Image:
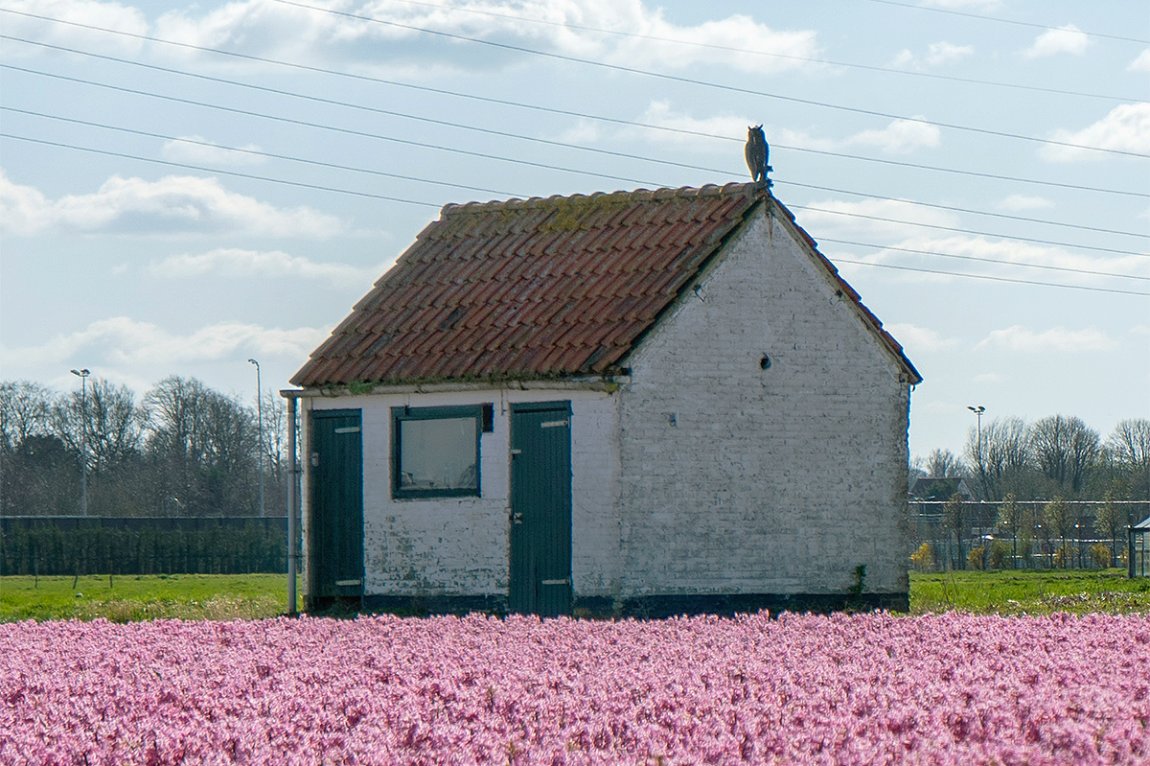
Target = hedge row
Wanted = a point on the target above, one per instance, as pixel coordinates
(163, 548)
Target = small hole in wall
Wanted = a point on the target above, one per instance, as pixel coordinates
(838, 293)
(765, 363)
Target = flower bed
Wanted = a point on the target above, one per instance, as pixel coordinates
(949, 689)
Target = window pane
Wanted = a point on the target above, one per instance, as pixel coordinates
(438, 454)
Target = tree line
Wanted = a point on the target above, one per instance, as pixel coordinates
(1053, 457)
(182, 449)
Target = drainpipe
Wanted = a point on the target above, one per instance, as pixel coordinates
(292, 502)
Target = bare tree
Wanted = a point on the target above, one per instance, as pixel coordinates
(106, 426)
(1129, 447)
(1066, 450)
(206, 445)
(942, 464)
(1110, 524)
(25, 411)
(1005, 454)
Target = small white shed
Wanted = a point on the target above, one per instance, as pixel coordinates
(639, 403)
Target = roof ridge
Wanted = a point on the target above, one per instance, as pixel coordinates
(641, 194)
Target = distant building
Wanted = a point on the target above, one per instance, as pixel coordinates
(936, 489)
(1139, 553)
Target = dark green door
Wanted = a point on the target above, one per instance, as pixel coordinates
(336, 532)
(541, 508)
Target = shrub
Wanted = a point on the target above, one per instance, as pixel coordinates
(974, 558)
(923, 559)
(1000, 551)
(1100, 555)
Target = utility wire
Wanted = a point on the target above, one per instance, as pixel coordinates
(966, 231)
(520, 161)
(935, 253)
(259, 153)
(999, 20)
(968, 275)
(336, 190)
(534, 139)
(580, 115)
(767, 54)
(203, 169)
(443, 183)
(715, 85)
(345, 131)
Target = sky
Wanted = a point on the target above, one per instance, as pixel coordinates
(186, 186)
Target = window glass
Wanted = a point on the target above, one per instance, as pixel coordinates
(436, 451)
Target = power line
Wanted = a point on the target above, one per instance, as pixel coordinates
(716, 85)
(258, 153)
(544, 141)
(768, 54)
(496, 191)
(577, 114)
(990, 278)
(319, 126)
(237, 174)
(967, 231)
(369, 195)
(999, 20)
(1042, 266)
(513, 160)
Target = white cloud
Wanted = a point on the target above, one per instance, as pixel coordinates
(128, 342)
(273, 29)
(1140, 64)
(1126, 127)
(231, 262)
(916, 339)
(870, 218)
(937, 54)
(1021, 339)
(196, 150)
(170, 205)
(105, 15)
(899, 137)
(1021, 202)
(1068, 39)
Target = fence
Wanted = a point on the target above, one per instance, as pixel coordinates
(986, 543)
(71, 545)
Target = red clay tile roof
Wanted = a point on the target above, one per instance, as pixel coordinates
(535, 288)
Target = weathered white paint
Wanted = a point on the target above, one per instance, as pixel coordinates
(460, 546)
(703, 473)
(737, 479)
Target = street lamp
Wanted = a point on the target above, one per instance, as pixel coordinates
(83, 376)
(978, 409)
(260, 411)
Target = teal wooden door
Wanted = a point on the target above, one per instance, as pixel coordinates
(541, 509)
(336, 530)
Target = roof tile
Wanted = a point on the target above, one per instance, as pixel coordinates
(536, 287)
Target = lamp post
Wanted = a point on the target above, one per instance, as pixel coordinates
(83, 374)
(978, 409)
(260, 416)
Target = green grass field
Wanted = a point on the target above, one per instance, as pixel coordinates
(143, 597)
(1029, 592)
(242, 597)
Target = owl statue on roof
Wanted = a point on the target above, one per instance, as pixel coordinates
(758, 154)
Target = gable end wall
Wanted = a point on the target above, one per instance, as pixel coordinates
(736, 479)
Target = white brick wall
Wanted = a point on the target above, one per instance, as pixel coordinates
(739, 479)
(459, 546)
(734, 479)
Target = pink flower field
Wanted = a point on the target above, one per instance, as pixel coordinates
(873, 689)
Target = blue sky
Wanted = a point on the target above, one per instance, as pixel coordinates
(185, 186)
